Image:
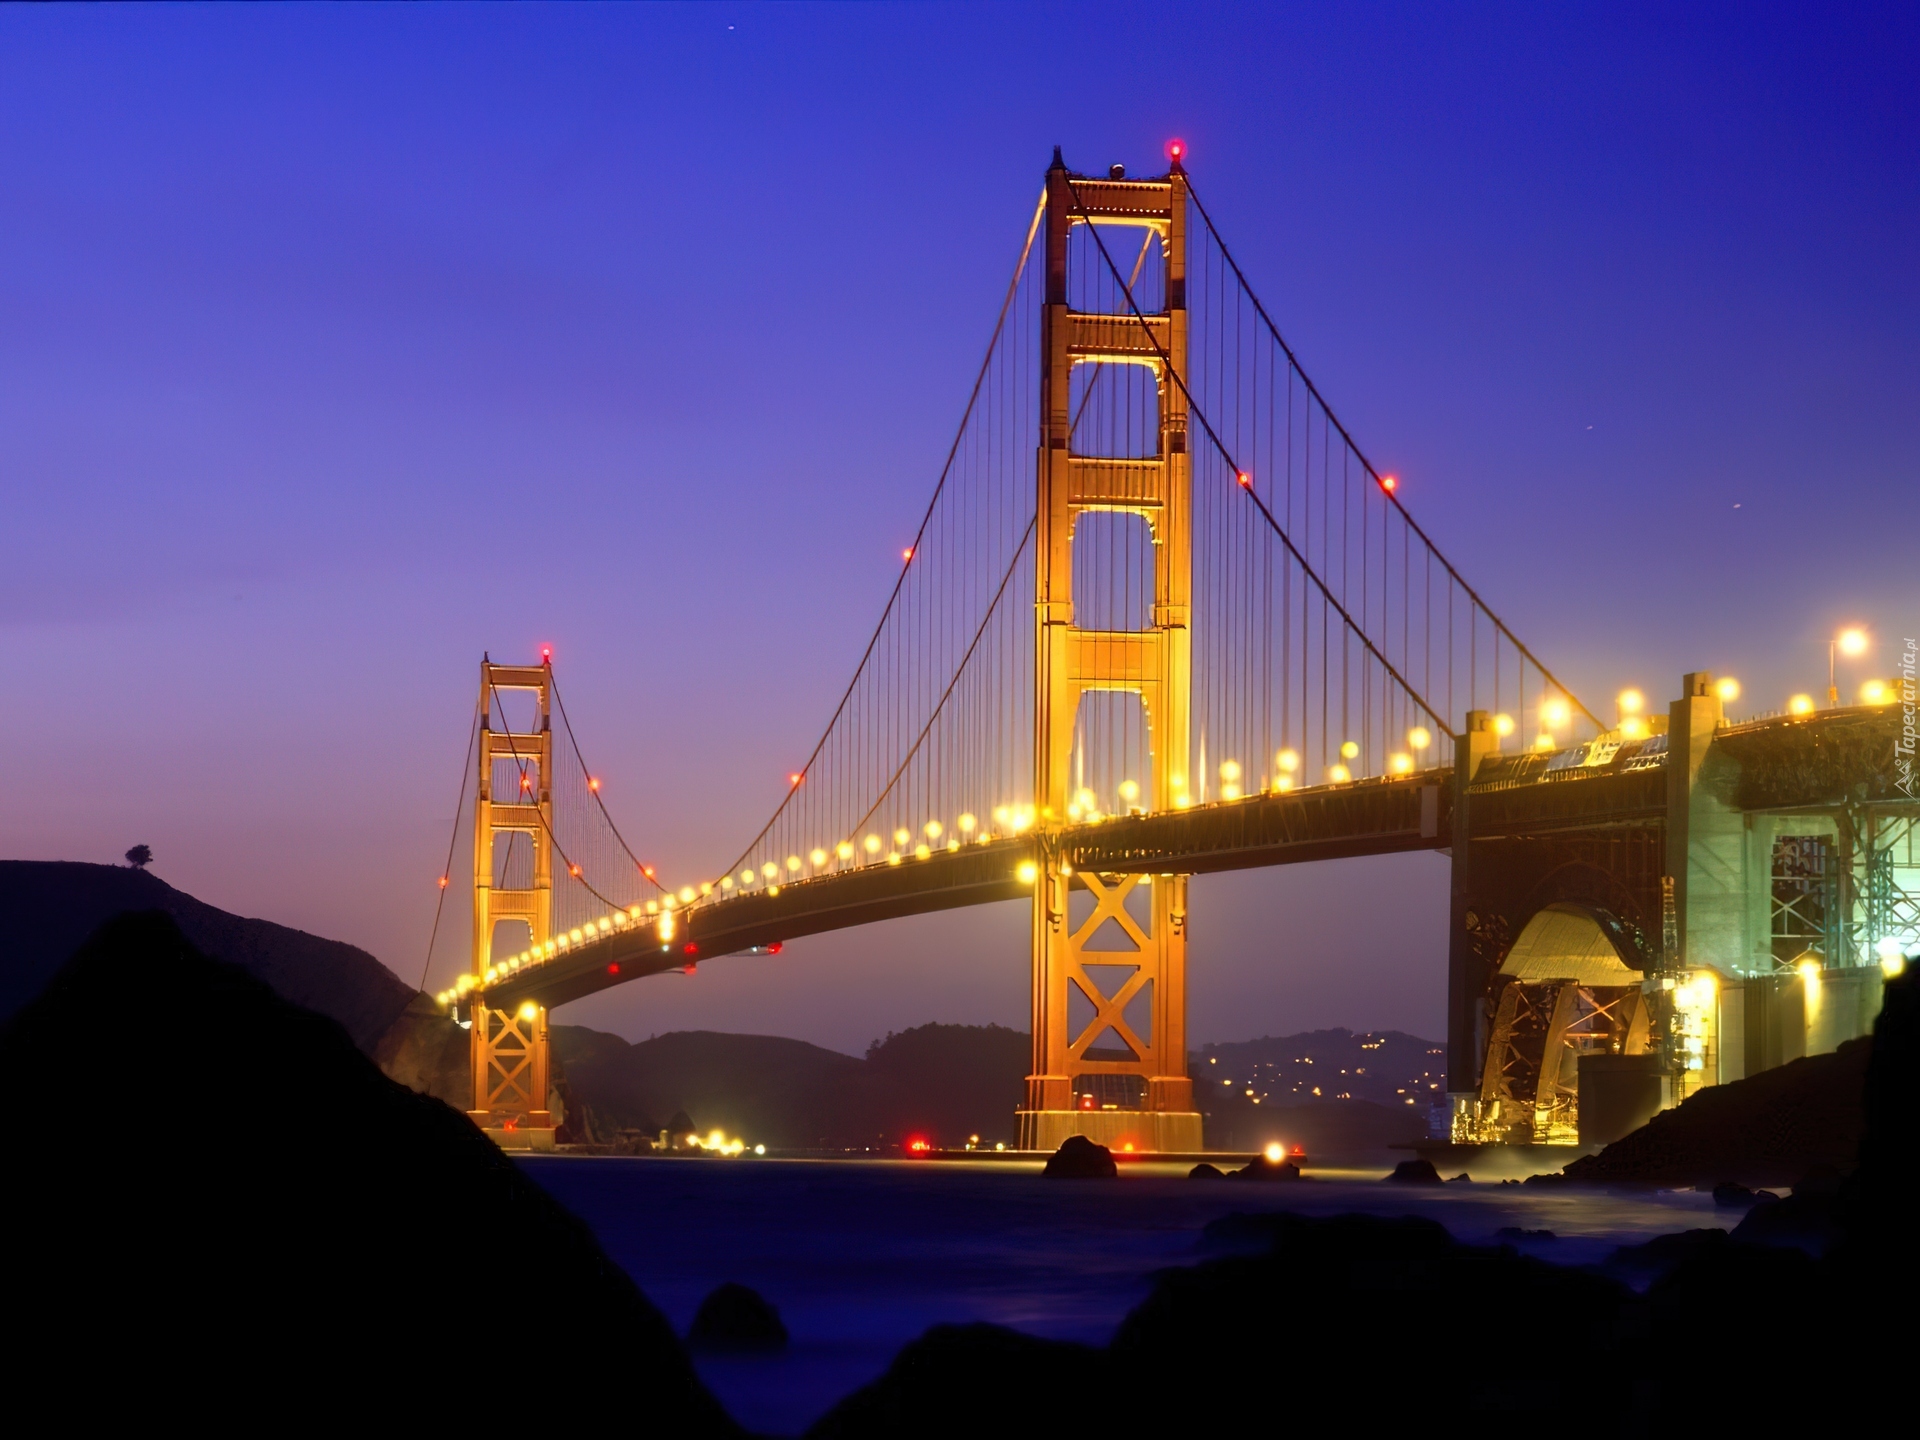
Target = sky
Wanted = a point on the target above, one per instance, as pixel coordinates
(341, 344)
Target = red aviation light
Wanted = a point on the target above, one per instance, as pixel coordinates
(1389, 484)
(776, 947)
(919, 1145)
(1176, 150)
(689, 949)
(614, 969)
(1246, 480)
(546, 654)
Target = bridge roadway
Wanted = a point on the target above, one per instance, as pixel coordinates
(1607, 788)
(1369, 817)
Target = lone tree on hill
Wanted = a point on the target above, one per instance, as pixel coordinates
(140, 856)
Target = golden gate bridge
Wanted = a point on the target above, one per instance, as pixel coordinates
(1162, 617)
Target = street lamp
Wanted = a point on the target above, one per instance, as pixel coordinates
(1851, 642)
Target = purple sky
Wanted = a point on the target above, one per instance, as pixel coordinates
(338, 345)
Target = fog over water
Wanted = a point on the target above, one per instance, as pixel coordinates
(861, 1257)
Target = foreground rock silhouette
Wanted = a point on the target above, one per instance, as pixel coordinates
(288, 1234)
(1078, 1158)
(734, 1318)
(1270, 1341)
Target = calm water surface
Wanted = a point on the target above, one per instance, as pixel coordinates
(861, 1256)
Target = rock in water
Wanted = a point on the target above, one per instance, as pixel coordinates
(1204, 1171)
(1261, 1168)
(1415, 1172)
(735, 1318)
(233, 1178)
(1080, 1159)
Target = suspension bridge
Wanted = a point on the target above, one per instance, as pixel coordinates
(1162, 617)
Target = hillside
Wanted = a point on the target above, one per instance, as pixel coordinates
(309, 1235)
(53, 906)
(942, 1081)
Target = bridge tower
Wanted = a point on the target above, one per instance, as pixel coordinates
(1119, 1083)
(510, 1047)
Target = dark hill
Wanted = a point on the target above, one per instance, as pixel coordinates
(52, 906)
(1768, 1129)
(306, 1238)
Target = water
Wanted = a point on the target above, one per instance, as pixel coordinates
(862, 1256)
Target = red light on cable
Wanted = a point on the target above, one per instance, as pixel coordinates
(573, 870)
(647, 870)
(795, 778)
(1246, 480)
(443, 882)
(593, 784)
(907, 554)
(1389, 484)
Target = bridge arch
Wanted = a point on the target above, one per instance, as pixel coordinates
(1570, 940)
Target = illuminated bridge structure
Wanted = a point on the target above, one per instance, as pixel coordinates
(1163, 618)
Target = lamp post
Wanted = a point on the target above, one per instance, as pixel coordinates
(1849, 642)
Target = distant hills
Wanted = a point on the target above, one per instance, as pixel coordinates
(943, 1082)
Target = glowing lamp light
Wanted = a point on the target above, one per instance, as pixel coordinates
(907, 554)
(546, 654)
(966, 822)
(1246, 480)
(769, 869)
(529, 1010)
(872, 844)
(1275, 1152)
(1543, 741)
(1727, 688)
(1800, 705)
(1176, 150)
(816, 858)
(1349, 749)
(443, 882)
(1503, 725)
(795, 778)
(1287, 761)
(1339, 774)
(1419, 737)
(1389, 484)
(1283, 784)
(1851, 642)
(1555, 713)
(1633, 727)
(1028, 872)
(844, 850)
(1631, 702)
(593, 783)
(902, 836)
(793, 864)
(746, 877)
(893, 857)
(934, 829)
(686, 894)
(1400, 764)
(1808, 969)
(1875, 692)
(1129, 791)
(921, 852)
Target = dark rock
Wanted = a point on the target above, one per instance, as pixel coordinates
(1730, 1194)
(943, 1386)
(1415, 1172)
(1261, 1168)
(309, 1214)
(1553, 1177)
(1808, 1222)
(1080, 1159)
(1661, 1254)
(1463, 1178)
(735, 1318)
(1204, 1171)
(1514, 1232)
(1764, 1130)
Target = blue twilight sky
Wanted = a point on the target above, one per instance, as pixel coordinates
(338, 344)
